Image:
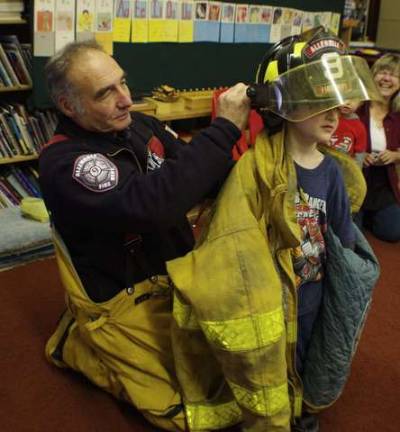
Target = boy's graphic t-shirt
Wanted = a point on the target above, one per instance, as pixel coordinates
(350, 136)
(321, 200)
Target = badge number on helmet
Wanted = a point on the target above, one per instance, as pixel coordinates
(95, 172)
(332, 77)
(333, 65)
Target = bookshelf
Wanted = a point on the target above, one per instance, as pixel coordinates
(16, 159)
(20, 130)
(15, 88)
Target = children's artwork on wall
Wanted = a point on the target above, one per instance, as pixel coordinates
(104, 24)
(64, 23)
(85, 20)
(242, 28)
(185, 24)
(207, 21)
(140, 23)
(122, 21)
(43, 18)
(227, 30)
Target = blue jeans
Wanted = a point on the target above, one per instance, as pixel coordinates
(384, 224)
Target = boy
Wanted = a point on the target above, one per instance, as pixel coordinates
(258, 286)
(350, 136)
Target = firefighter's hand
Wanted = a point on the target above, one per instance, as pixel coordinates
(234, 105)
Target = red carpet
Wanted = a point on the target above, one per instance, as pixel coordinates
(37, 397)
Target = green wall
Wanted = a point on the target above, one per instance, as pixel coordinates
(187, 65)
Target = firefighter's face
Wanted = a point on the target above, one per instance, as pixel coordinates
(102, 98)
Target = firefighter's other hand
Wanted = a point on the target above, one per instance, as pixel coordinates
(234, 105)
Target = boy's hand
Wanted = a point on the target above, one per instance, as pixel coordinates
(234, 105)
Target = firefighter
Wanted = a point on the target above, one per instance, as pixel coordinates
(118, 186)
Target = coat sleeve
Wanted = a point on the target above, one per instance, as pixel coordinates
(140, 202)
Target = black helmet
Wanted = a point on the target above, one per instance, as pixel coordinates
(294, 51)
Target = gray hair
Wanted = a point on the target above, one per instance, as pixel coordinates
(58, 66)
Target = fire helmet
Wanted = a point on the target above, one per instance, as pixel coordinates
(307, 74)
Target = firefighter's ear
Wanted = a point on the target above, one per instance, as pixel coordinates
(65, 106)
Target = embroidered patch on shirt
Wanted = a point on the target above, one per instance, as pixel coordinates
(95, 172)
(156, 154)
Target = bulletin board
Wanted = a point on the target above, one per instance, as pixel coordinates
(195, 65)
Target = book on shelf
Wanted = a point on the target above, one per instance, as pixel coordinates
(11, 179)
(5, 124)
(23, 133)
(17, 183)
(14, 192)
(8, 196)
(17, 63)
(8, 68)
(16, 133)
(22, 127)
(27, 55)
(11, 10)
(5, 149)
(5, 78)
(12, 6)
(25, 182)
(17, 53)
(6, 17)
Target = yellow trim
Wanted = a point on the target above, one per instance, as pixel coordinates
(267, 401)
(206, 417)
(298, 47)
(291, 331)
(183, 314)
(272, 71)
(298, 405)
(255, 331)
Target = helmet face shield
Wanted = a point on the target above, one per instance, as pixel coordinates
(319, 86)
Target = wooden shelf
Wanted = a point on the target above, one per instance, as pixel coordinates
(13, 21)
(13, 89)
(16, 159)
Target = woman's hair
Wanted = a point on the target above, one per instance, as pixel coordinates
(390, 62)
(58, 66)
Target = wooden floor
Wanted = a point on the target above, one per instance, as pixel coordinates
(37, 397)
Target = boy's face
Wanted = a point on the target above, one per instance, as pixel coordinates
(349, 107)
(317, 129)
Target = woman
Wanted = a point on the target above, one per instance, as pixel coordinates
(381, 209)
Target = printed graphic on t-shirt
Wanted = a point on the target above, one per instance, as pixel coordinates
(309, 256)
(342, 143)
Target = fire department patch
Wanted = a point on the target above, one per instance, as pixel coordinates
(95, 172)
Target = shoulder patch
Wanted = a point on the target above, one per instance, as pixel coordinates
(95, 172)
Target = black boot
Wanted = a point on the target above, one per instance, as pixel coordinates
(306, 423)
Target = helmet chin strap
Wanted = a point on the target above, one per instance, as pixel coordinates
(258, 95)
